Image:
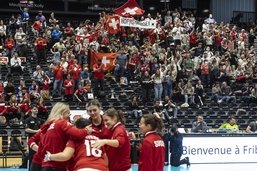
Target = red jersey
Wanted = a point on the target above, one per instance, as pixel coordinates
(13, 108)
(37, 26)
(40, 43)
(87, 157)
(98, 74)
(55, 139)
(122, 152)
(9, 43)
(58, 73)
(68, 31)
(68, 87)
(101, 130)
(79, 91)
(152, 153)
(46, 84)
(75, 71)
(3, 109)
(35, 139)
(25, 107)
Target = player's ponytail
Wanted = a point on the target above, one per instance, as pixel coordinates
(114, 113)
(155, 122)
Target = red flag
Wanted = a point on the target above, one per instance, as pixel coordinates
(130, 8)
(92, 37)
(112, 24)
(108, 60)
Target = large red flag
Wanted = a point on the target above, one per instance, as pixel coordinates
(92, 37)
(112, 24)
(108, 60)
(130, 8)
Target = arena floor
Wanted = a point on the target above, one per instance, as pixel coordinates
(194, 167)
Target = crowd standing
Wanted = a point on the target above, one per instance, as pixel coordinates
(178, 61)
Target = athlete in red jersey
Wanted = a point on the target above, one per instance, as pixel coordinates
(86, 157)
(152, 152)
(33, 144)
(57, 135)
(98, 125)
(118, 146)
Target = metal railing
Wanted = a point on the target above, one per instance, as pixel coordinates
(243, 17)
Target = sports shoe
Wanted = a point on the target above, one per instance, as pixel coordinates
(187, 161)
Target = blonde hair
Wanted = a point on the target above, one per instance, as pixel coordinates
(57, 111)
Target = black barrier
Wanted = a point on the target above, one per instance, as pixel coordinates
(135, 145)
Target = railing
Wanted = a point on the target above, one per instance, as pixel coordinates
(243, 17)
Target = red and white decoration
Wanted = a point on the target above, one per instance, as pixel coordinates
(129, 9)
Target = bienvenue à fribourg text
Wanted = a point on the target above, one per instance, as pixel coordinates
(245, 149)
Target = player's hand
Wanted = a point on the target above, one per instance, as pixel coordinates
(47, 156)
(98, 144)
(132, 135)
(89, 129)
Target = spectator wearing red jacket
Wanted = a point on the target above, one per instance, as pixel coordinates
(118, 147)
(68, 84)
(25, 108)
(152, 152)
(69, 30)
(75, 71)
(10, 46)
(40, 46)
(58, 79)
(98, 70)
(13, 108)
(42, 110)
(3, 108)
(37, 27)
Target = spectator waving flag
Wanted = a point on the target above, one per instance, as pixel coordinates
(112, 24)
(108, 60)
(129, 9)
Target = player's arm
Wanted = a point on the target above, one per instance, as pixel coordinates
(100, 143)
(106, 160)
(65, 155)
(34, 140)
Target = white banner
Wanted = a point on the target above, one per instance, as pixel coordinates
(220, 149)
(131, 22)
(82, 113)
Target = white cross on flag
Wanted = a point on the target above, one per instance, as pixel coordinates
(112, 24)
(129, 9)
(108, 60)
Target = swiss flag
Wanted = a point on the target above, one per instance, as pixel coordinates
(112, 24)
(108, 60)
(130, 8)
(90, 37)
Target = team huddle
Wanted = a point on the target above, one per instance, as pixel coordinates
(100, 143)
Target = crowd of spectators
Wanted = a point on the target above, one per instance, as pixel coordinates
(180, 60)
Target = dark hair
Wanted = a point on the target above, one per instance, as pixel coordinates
(94, 102)
(231, 117)
(155, 122)
(115, 113)
(81, 123)
(34, 105)
(174, 129)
